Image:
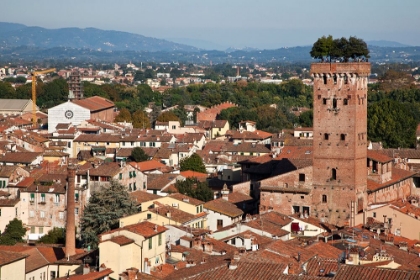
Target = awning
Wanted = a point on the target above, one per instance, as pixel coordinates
(295, 227)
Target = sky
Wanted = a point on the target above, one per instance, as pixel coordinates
(263, 24)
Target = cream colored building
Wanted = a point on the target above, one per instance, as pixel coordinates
(167, 215)
(12, 265)
(140, 246)
(400, 217)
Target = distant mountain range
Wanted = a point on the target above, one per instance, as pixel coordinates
(21, 43)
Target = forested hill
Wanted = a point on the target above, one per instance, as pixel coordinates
(22, 44)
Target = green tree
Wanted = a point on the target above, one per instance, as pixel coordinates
(194, 163)
(123, 115)
(55, 236)
(168, 116)
(195, 189)
(322, 48)
(104, 209)
(138, 155)
(140, 119)
(13, 233)
(391, 123)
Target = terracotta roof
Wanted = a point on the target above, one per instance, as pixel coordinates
(246, 147)
(211, 113)
(148, 165)
(103, 137)
(401, 153)
(9, 202)
(95, 103)
(160, 181)
(378, 156)
(187, 199)
(357, 272)
(142, 196)
(145, 229)
(224, 207)
(109, 169)
(7, 170)
(238, 197)
(397, 176)
(121, 240)
(193, 174)
(20, 157)
(173, 213)
(7, 257)
(95, 275)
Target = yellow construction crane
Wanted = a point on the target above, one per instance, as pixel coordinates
(34, 75)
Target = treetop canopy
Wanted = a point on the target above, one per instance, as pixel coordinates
(342, 49)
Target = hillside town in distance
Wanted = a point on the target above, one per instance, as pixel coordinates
(206, 198)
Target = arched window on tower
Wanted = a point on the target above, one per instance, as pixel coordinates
(324, 198)
(325, 79)
(333, 174)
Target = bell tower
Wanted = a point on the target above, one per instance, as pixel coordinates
(340, 140)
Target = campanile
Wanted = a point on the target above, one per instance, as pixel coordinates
(340, 139)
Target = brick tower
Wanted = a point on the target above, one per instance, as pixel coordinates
(339, 141)
(75, 85)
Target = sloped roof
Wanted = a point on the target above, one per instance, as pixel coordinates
(95, 103)
(14, 104)
(397, 176)
(224, 207)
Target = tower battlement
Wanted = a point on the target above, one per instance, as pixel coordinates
(360, 68)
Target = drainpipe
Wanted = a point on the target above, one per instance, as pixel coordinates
(141, 254)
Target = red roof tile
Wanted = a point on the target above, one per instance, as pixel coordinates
(95, 103)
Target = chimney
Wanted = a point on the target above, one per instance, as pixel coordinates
(86, 269)
(70, 223)
(225, 192)
(132, 272)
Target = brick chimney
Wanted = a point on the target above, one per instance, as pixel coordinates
(132, 273)
(70, 223)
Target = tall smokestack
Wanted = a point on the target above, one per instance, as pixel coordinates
(70, 223)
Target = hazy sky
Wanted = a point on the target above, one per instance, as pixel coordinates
(265, 24)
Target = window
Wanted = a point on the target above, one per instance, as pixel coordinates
(144, 185)
(134, 186)
(0, 212)
(32, 229)
(334, 103)
(201, 208)
(32, 197)
(57, 198)
(129, 187)
(52, 274)
(42, 214)
(123, 143)
(325, 79)
(342, 137)
(374, 214)
(31, 214)
(41, 230)
(301, 177)
(149, 216)
(154, 191)
(345, 101)
(61, 215)
(296, 209)
(76, 211)
(120, 176)
(42, 197)
(150, 243)
(326, 136)
(198, 209)
(173, 127)
(76, 197)
(219, 224)
(134, 174)
(324, 101)
(333, 174)
(160, 239)
(324, 198)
